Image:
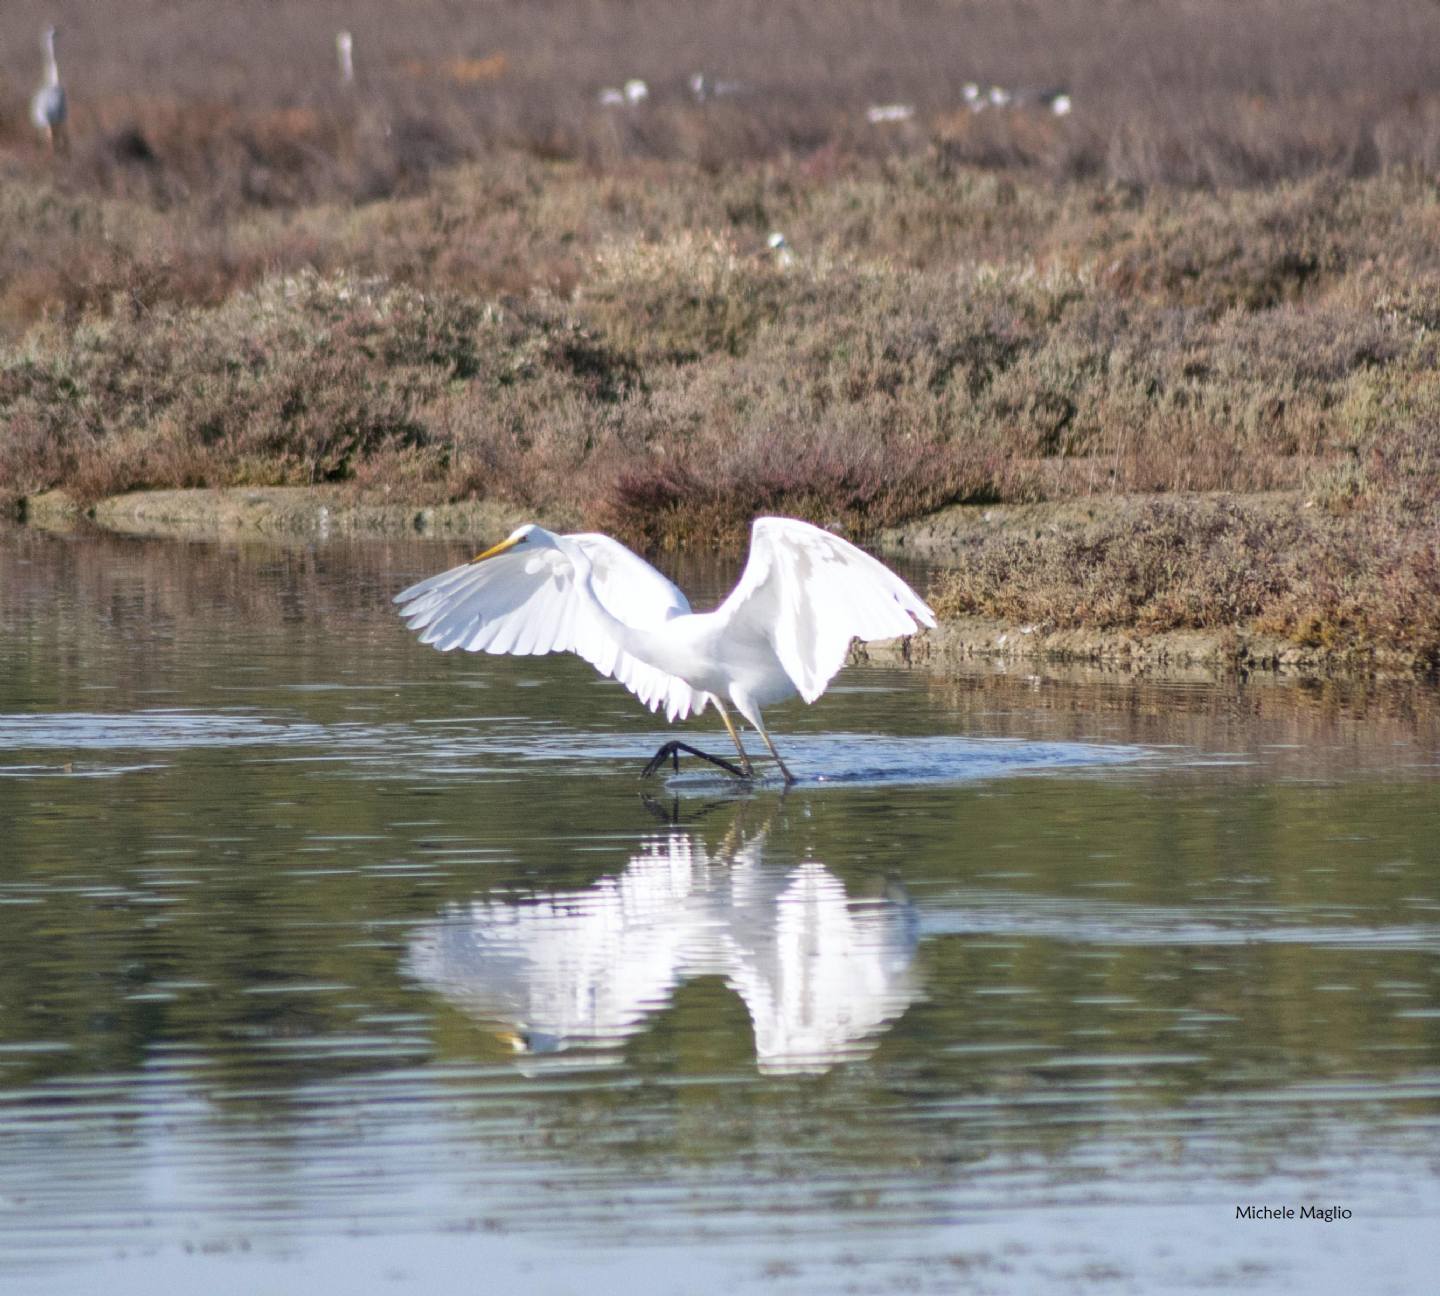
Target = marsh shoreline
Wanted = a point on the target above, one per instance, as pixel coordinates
(942, 538)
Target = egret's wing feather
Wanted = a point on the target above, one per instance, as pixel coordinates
(812, 593)
(630, 587)
(484, 606)
(636, 593)
(530, 602)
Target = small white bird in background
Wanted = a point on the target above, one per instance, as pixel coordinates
(974, 96)
(784, 630)
(345, 54)
(877, 114)
(701, 88)
(779, 247)
(48, 109)
(1000, 97)
(633, 93)
(1057, 102)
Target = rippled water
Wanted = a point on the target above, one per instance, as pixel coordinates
(331, 963)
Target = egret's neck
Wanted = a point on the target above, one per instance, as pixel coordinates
(52, 67)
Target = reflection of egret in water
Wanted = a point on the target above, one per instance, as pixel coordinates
(821, 975)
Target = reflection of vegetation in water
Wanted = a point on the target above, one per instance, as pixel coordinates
(248, 908)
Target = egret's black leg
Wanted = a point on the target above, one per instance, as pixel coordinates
(671, 752)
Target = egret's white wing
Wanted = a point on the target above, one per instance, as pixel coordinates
(630, 587)
(530, 601)
(811, 593)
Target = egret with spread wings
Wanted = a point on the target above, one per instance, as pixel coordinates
(785, 629)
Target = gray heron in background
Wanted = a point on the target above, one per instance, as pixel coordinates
(48, 109)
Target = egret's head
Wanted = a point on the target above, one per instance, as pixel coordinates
(528, 536)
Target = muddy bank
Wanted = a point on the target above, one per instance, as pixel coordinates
(1126, 564)
(321, 510)
(282, 511)
(949, 531)
(944, 537)
(964, 640)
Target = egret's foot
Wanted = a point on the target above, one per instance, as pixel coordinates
(775, 756)
(784, 769)
(671, 752)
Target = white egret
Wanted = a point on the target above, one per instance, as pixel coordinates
(48, 109)
(785, 628)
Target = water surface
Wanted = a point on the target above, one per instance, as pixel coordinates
(329, 962)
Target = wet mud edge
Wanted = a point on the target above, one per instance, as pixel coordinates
(969, 639)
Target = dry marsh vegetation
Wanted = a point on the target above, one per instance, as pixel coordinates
(1358, 585)
(460, 277)
(239, 104)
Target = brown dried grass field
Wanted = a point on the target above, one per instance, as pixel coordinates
(462, 277)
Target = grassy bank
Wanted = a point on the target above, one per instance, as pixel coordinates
(1308, 580)
(460, 279)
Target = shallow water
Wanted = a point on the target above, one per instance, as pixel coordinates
(328, 962)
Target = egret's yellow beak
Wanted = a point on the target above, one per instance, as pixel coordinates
(497, 549)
